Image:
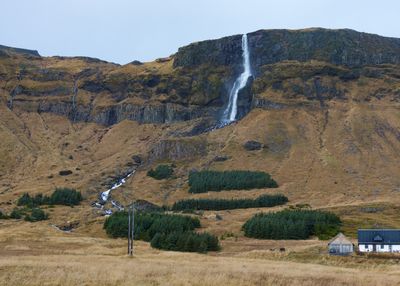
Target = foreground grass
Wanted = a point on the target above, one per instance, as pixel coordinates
(177, 269)
(37, 254)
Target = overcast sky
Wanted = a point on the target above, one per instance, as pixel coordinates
(124, 30)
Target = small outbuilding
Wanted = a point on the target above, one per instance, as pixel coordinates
(340, 245)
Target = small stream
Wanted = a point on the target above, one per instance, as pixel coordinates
(105, 196)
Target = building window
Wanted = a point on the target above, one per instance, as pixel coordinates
(382, 246)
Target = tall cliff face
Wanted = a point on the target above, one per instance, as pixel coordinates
(338, 47)
(291, 68)
(304, 67)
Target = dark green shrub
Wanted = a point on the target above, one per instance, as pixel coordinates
(3, 216)
(16, 213)
(292, 224)
(222, 204)
(65, 196)
(215, 181)
(161, 172)
(36, 215)
(27, 200)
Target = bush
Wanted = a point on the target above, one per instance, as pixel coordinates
(36, 215)
(3, 216)
(16, 213)
(65, 196)
(292, 224)
(222, 204)
(215, 181)
(161, 172)
(164, 231)
(27, 200)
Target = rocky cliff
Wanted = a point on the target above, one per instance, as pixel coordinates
(339, 47)
(292, 68)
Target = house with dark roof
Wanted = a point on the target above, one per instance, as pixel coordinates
(379, 240)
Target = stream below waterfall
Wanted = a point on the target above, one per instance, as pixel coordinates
(105, 196)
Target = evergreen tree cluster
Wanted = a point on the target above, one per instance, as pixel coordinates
(164, 231)
(161, 172)
(215, 181)
(61, 196)
(292, 224)
(188, 241)
(36, 215)
(223, 204)
(65, 196)
(29, 214)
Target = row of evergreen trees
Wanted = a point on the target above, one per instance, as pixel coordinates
(61, 196)
(224, 204)
(292, 224)
(215, 181)
(164, 231)
(186, 241)
(32, 215)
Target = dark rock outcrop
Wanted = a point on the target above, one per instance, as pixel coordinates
(220, 158)
(65, 172)
(143, 206)
(253, 145)
(178, 149)
(137, 159)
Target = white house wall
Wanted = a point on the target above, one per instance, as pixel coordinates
(386, 248)
(395, 248)
(365, 248)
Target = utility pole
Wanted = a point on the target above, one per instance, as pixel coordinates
(129, 231)
(131, 228)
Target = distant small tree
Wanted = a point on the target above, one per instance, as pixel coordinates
(16, 214)
(36, 215)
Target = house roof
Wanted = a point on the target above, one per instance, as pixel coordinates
(340, 239)
(380, 236)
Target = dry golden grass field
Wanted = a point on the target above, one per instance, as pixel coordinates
(38, 254)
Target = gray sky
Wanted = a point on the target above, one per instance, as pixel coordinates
(122, 30)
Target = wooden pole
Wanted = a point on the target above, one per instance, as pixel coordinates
(133, 228)
(129, 231)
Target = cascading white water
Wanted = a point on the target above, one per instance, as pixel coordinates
(231, 110)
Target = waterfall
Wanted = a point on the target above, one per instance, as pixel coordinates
(230, 112)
